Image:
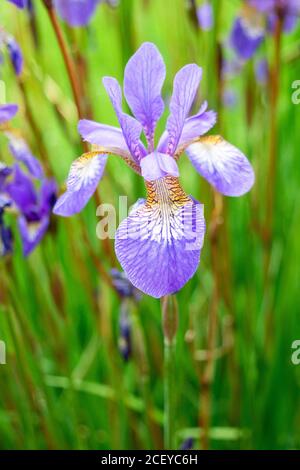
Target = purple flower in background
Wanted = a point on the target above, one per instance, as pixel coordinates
(76, 12)
(19, 3)
(125, 342)
(159, 244)
(245, 38)
(205, 16)
(287, 10)
(7, 112)
(262, 71)
(14, 51)
(15, 54)
(6, 240)
(124, 286)
(34, 205)
(22, 153)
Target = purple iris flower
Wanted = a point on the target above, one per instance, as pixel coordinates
(15, 54)
(34, 206)
(245, 37)
(262, 71)
(205, 16)
(123, 286)
(287, 10)
(7, 112)
(22, 153)
(159, 244)
(6, 240)
(78, 12)
(13, 49)
(19, 3)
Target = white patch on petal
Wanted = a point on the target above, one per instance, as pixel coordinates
(223, 165)
(83, 172)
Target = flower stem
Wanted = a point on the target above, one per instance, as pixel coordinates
(271, 176)
(70, 66)
(170, 323)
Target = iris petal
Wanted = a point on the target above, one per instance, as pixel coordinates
(131, 127)
(157, 165)
(144, 76)
(76, 12)
(84, 176)
(32, 233)
(222, 165)
(186, 83)
(159, 244)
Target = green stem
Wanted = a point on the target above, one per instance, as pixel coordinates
(170, 324)
(169, 353)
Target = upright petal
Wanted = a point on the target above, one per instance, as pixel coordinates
(83, 179)
(7, 112)
(76, 12)
(131, 128)
(194, 126)
(224, 166)
(159, 244)
(22, 191)
(144, 76)
(186, 83)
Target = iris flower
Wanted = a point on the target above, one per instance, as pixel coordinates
(29, 192)
(78, 12)
(256, 19)
(159, 244)
(9, 43)
(7, 112)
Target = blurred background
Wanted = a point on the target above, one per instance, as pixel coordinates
(83, 349)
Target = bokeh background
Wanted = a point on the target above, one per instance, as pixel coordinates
(67, 382)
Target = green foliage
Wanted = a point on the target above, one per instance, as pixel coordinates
(65, 385)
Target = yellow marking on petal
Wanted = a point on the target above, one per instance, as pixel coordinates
(207, 139)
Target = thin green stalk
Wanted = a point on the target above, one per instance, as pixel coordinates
(170, 323)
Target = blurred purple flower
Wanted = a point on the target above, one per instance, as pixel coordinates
(6, 240)
(188, 444)
(287, 10)
(14, 51)
(125, 343)
(78, 12)
(229, 98)
(262, 71)
(124, 286)
(21, 152)
(159, 244)
(15, 54)
(19, 3)
(245, 39)
(7, 112)
(34, 206)
(205, 16)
